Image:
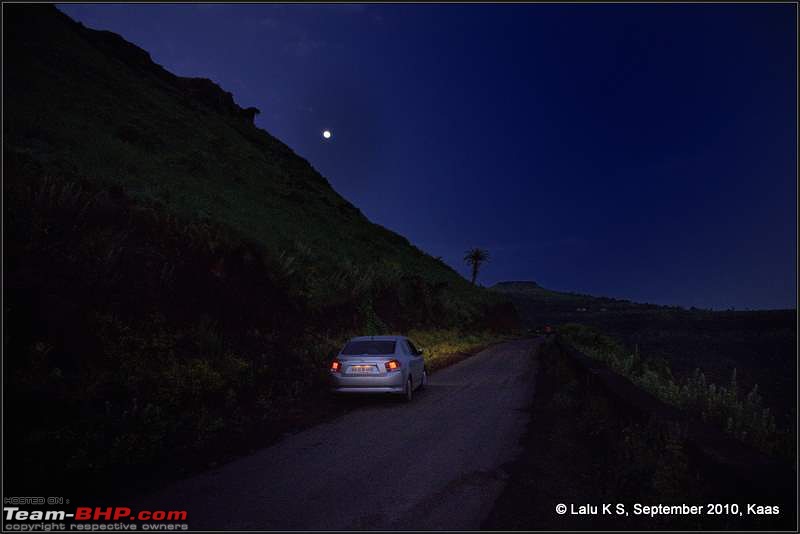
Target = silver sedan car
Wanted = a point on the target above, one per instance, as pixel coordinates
(379, 364)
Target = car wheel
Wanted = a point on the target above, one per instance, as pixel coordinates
(409, 396)
(424, 379)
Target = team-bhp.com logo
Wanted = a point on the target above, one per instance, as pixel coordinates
(85, 513)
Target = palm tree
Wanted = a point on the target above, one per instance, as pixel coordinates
(475, 258)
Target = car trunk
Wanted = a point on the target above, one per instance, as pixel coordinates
(364, 364)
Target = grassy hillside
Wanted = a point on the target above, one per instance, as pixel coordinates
(88, 105)
(175, 278)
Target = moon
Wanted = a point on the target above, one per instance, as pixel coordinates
(326, 134)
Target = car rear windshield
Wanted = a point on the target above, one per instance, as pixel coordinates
(369, 347)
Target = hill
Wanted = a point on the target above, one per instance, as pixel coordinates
(537, 304)
(533, 290)
(176, 279)
(88, 105)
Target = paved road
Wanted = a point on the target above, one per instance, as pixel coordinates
(433, 464)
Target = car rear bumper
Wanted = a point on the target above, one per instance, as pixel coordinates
(388, 383)
(363, 390)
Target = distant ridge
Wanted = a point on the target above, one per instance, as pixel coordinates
(516, 285)
(529, 291)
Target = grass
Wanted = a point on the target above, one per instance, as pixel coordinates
(725, 406)
(443, 347)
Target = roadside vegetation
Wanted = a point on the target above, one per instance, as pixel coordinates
(446, 346)
(581, 447)
(725, 406)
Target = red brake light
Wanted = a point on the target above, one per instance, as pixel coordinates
(392, 365)
(336, 366)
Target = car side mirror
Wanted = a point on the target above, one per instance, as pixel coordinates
(420, 352)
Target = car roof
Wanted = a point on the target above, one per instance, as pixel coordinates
(378, 338)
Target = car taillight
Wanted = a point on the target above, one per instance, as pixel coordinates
(392, 365)
(336, 366)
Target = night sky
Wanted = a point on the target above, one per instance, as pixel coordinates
(645, 152)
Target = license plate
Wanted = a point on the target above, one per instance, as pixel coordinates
(363, 369)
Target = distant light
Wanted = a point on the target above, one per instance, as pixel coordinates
(326, 134)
